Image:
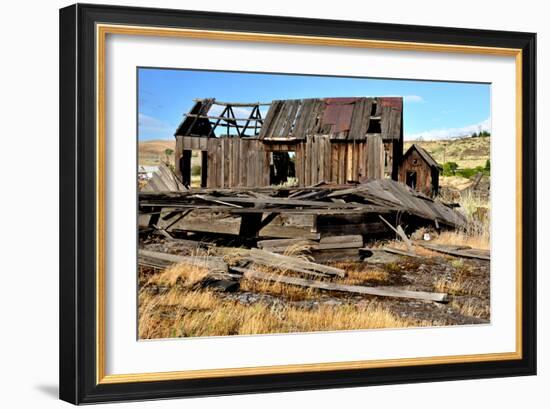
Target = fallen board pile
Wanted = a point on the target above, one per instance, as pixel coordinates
(312, 213)
(163, 180)
(332, 248)
(227, 278)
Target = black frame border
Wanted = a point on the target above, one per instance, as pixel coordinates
(78, 197)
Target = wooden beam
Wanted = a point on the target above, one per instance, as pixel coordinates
(293, 263)
(400, 232)
(456, 253)
(400, 252)
(324, 285)
(213, 264)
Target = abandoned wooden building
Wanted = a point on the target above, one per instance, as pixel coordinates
(336, 140)
(420, 171)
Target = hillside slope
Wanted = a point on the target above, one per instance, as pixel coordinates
(152, 153)
(466, 152)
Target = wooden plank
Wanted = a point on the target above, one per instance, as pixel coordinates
(327, 161)
(222, 162)
(291, 116)
(211, 263)
(286, 202)
(365, 123)
(400, 252)
(268, 121)
(399, 231)
(283, 243)
(335, 255)
(349, 162)
(242, 162)
(282, 116)
(325, 285)
(281, 261)
(341, 163)
(211, 175)
(307, 160)
(316, 156)
(312, 126)
(328, 243)
(402, 234)
(321, 159)
(333, 162)
(456, 253)
(301, 120)
(356, 119)
(340, 239)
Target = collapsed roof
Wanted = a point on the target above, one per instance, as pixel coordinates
(341, 118)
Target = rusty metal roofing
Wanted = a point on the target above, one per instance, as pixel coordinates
(341, 118)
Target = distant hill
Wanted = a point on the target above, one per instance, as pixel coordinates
(466, 152)
(152, 153)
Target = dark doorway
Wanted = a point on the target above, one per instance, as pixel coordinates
(411, 179)
(193, 166)
(282, 167)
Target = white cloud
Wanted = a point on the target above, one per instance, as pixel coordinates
(413, 98)
(409, 98)
(448, 133)
(151, 124)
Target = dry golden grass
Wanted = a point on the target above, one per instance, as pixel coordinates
(467, 152)
(471, 310)
(356, 274)
(461, 284)
(184, 312)
(181, 313)
(154, 152)
(477, 233)
(454, 182)
(459, 238)
(183, 274)
(277, 289)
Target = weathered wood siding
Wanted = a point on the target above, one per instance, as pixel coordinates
(415, 163)
(241, 162)
(318, 159)
(230, 162)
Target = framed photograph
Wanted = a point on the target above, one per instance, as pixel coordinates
(256, 203)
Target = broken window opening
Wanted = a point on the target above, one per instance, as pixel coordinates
(374, 126)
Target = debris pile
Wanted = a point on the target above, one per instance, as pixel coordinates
(257, 227)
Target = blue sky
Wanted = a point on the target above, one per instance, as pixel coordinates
(432, 110)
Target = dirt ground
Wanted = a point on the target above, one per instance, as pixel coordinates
(466, 281)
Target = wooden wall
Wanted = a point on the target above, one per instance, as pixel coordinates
(231, 162)
(318, 159)
(415, 163)
(241, 162)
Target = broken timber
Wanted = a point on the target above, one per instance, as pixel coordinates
(292, 263)
(323, 285)
(400, 232)
(163, 260)
(400, 252)
(326, 243)
(456, 253)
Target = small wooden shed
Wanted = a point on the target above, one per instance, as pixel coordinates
(420, 171)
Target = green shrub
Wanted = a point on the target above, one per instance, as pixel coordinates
(195, 170)
(449, 168)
